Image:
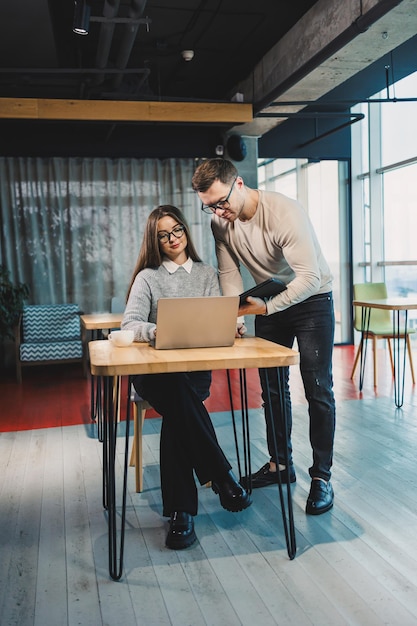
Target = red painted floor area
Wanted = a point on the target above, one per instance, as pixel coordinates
(53, 396)
(48, 396)
(60, 396)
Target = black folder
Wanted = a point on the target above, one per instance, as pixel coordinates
(267, 289)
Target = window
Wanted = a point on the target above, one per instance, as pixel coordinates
(384, 168)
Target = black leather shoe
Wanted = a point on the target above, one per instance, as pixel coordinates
(263, 477)
(320, 498)
(233, 497)
(181, 531)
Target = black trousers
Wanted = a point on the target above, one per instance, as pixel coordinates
(312, 323)
(188, 440)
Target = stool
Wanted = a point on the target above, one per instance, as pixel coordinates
(140, 407)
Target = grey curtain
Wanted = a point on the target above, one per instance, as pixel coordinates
(71, 228)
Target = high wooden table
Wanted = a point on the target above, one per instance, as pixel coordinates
(108, 361)
(397, 306)
(95, 323)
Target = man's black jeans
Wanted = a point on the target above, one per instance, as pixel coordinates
(312, 323)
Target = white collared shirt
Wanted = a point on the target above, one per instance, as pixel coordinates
(172, 267)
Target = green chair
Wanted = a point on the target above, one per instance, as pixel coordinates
(380, 326)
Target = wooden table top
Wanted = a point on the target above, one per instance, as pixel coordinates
(140, 358)
(101, 321)
(393, 304)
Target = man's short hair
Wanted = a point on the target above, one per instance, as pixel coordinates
(213, 169)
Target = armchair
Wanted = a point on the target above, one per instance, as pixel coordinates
(48, 333)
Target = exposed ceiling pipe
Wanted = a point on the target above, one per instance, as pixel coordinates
(136, 10)
(110, 9)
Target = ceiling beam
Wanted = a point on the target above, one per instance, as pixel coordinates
(331, 43)
(127, 111)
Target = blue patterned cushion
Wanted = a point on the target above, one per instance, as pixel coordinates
(51, 322)
(56, 351)
(51, 332)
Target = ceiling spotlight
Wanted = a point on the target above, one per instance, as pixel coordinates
(81, 22)
(187, 55)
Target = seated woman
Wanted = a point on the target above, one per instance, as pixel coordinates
(168, 266)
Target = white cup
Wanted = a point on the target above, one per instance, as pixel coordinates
(122, 338)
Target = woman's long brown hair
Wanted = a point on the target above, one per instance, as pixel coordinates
(150, 253)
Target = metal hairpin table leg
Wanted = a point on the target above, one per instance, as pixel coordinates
(110, 426)
(399, 356)
(245, 425)
(96, 396)
(97, 404)
(93, 383)
(288, 524)
(366, 316)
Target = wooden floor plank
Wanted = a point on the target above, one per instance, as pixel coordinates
(11, 481)
(116, 602)
(51, 584)
(83, 605)
(26, 493)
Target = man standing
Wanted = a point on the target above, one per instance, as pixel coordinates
(272, 236)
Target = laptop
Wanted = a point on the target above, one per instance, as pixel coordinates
(199, 322)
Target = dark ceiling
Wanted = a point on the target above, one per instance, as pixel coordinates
(268, 48)
(133, 49)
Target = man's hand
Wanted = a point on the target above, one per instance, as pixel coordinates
(252, 306)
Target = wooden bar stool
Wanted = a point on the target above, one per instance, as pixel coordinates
(140, 407)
